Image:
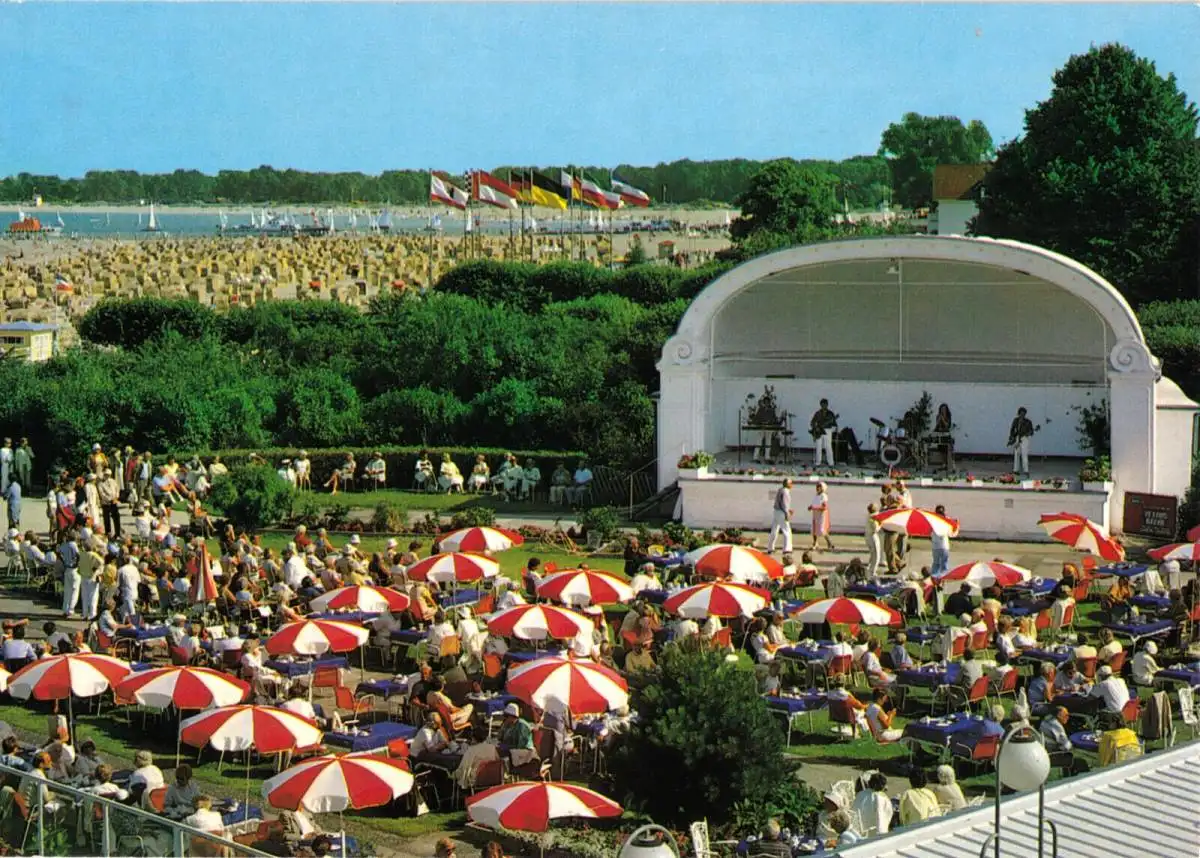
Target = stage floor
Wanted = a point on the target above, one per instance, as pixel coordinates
(1040, 467)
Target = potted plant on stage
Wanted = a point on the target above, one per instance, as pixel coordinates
(1096, 474)
(695, 465)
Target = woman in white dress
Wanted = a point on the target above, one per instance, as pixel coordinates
(820, 517)
(480, 474)
(450, 478)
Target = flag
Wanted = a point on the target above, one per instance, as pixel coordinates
(631, 195)
(492, 190)
(523, 185)
(590, 193)
(547, 192)
(62, 285)
(442, 191)
(571, 182)
(612, 200)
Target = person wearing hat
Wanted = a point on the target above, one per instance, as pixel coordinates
(516, 736)
(831, 803)
(1111, 689)
(97, 461)
(375, 473)
(287, 473)
(1144, 665)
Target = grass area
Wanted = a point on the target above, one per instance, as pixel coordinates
(437, 502)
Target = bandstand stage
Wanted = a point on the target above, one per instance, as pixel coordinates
(985, 326)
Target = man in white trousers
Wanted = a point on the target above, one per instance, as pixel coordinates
(1019, 436)
(91, 567)
(68, 553)
(821, 428)
(781, 519)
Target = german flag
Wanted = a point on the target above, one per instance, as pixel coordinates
(544, 191)
(520, 182)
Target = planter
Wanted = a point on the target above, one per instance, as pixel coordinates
(870, 481)
(1027, 484)
(926, 481)
(1105, 486)
(693, 473)
(975, 483)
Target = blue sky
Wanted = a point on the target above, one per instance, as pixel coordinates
(374, 86)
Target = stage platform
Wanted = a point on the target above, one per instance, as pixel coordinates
(982, 494)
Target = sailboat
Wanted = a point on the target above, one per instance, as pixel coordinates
(384, 223)
(151, 223)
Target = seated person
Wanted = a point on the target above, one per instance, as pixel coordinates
(450, 478)
(772, 844)
(299, 704)
(440, 630)
(960, 602)
(877, 677)
(375, 472)
(204, 817)
(839, 824)
(531, 478)
(1144, 665)
(516, 736)
(1025, 636)
(645, 579)
(1117, 600)
(35, 783)
(1109, 647)
(560, 481)
(87, 762)
(949, 793)
(104, 787)
(481, 474)
(639, 660)
(145, 772)
(431, 739)
(762, 649)
(1069, 680)
(872, 807)
(342, 474)
(972, 670)
(1040, 691)
(1151, 583)
(1063, 602)
(460, 716)
(62, 755)
(917, 803)
(1058, 743)
(1004, 642)
(181, 796)
(1003, 668)
(1111, 689)
(879, 717)
(901, 659)
(772, 682)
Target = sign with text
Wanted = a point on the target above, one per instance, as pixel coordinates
(1151, 515)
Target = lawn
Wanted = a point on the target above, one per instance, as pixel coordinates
(436, 502)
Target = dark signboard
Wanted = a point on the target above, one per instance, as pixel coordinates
(1151, 515)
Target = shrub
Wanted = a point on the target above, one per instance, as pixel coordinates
(474, 516)
(604, 521)
(389, 518)
(253, 497)
(703, 722)
(131, 322)
(307, 509)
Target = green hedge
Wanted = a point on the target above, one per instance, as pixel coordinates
(401, 461)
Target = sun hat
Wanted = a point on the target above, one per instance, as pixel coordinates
(512, 709)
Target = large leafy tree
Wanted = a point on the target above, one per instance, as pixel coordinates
(1108, 172)
(916, 144)
(788, 199)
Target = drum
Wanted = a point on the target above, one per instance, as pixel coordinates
(890, 455)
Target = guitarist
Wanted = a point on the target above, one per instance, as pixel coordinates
(822, 427)
(1019, 435)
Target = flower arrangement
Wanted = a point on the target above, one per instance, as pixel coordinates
(695, 461)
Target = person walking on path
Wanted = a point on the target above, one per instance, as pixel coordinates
(820, 518)
(781, 521)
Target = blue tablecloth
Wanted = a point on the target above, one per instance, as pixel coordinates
(1055, 657)
(926, 677)
(374, 736)
(923, 634)
(1124, 570)
(803, 703)
(870, 588)
(408, 636)
(461, 597)
(1147, 602)
(1035, 586)
(491, 705)
(1025, 607)
(303, 668)
(676, 558)
(528, 655)
(797, 652)
(957, 728)
(244, 813)
(654, 597)
(1153, 628)
(346, 616)
(383, 687)
(139, 666)
(1184, 675)
(1086, 740)
(146, 634)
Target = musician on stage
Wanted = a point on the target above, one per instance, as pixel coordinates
(943, 437)
(1019, 435)
(822, 426)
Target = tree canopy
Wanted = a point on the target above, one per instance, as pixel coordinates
(786, 198)
(1108, 173)
(916, 144)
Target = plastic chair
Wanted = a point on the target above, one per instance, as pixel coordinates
(959, 646)
(840, 712)
(1187, 709)
(1117, 662)
(1087, 666)
(1131, 712)
(1008, 685)
(158, 799)
(326, 677)
(344, 701)
(982, 753)
(839, 665)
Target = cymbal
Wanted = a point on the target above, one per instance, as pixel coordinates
(877, 422)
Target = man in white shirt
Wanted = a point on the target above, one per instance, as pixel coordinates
(429, 739)
(781, 518)
(145, 772)
(294, 570)
(1171, 575)
(941, 549)
(645, 579)
(582, 480)
(438, 631)
(128, 578)
(298, 703)
(1151, 582)
(205, 818)
(1111, 689)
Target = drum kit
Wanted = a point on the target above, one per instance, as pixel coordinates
(895, 449)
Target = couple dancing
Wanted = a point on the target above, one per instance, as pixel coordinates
(781, 522)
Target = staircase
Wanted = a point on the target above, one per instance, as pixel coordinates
(660, 505)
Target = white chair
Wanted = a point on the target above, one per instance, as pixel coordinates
(1187, 709)
(701, 845)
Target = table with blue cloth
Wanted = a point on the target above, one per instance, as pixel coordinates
(382, 687)
(873, 589)
(490, 706)
(1033, 587)
(243, 813)
(408, 636)
(800, 846)
(801, 652)
(1056, 657)
(459, 597)
(304, 668)
(526, 655)
(956, 729)
(139, 666)
(1137, 631)
(664, 561)
(930, 676)
(1086, 740)
(654, 597)
(148, 633)
(373, 736)
(1150, 602)
(804, 702)
(1026, 607)
(1184, 675)
(1123, 570)
(346, 616)
(923, 634)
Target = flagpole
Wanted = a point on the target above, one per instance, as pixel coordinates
(429, 227)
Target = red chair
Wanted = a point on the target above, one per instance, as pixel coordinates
(488, 774)
(723, 638)
(965, 697)
(979, 640)
(839, 665)
(486, 604)
(841, 712)
(327, 677)
(344, 701)
(982, 753)
(1087, 666)
(989, 620)
(1082, 589)
(179, 655)
(1042, 623)
(538, 769)
(158, 799)
(959, 646)
(1117, 662)
(1131, 712)
(493, 666)
(398, 749)
(1008, 685)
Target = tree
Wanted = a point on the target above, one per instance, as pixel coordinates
(787, 198)
(702, 720)
(917, 144)
(1108, 173)
(253, 496)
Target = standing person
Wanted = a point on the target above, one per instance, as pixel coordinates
(820, 517)
(941, 548)
(874, 545)
(904, 500)
(781, 518)
(13, 498)
(91, 567)
(1019, 435)
(110, 497)
(6, 464)
(23, 463)
(823, 423)
(68, 553)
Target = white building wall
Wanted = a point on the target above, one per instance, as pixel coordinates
(952, 216)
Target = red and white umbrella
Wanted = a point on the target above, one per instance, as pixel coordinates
(1187, 552)
(529, 806)
(719, 599)
(338, 783)
(583, 687)
(986, 573)
(369, 600)
(916, 522)
(742, 564)
(239, 728)
(847, 611)
(183, 688)
(61, 676)
(480, 539)
(1082, 534)
(538, 622)
(585, 587)
(203, 587)
(316, 637)
(453, 567)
